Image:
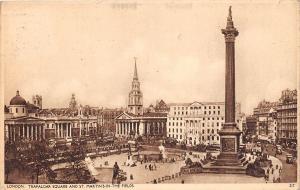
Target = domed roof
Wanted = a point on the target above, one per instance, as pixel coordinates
(18, 100)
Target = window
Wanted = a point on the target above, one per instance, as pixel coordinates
(204, 112)
(208, 130)
(180, 137)
(16, 110)
(213, 138)
(180, 130)
(176, 130)
(208, 138)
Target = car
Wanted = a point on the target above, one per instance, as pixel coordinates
(278, 151)
(289, 159)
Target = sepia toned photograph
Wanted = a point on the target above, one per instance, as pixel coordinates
(149, 92)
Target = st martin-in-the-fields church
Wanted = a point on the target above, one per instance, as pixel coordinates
(136, 121)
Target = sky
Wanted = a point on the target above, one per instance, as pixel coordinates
(87, 48)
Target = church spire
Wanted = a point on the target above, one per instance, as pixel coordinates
(135, 76)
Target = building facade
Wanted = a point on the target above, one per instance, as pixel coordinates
(137, 121)
(107, 119)
(287, 116)
(266, 117)
(197, 122)
(25, 121)
(250, 129)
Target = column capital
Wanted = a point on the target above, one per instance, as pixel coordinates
(230, 34)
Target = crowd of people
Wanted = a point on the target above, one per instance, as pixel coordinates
(272, 173)
(151, 167)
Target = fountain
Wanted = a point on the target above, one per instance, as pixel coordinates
(90, 165)
(162, 152)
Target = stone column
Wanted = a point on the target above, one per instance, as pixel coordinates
(23, 134)
(69, 129)
(27, 131)
(229, 133)
(124, 128)
(58, 130)
(36, 131)
(9, 136)
(230, 33)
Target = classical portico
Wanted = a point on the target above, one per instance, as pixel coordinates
(149, 124)
(25, 128)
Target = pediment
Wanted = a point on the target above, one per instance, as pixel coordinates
(124, 115)
(196, 104)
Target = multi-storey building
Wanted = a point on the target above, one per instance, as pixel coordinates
(250, 129)
(265, 114)
(197, 122)
(25, 121)
(107, 119)
(137, 121)
(287, 117)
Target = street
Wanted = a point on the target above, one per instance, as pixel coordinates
(289, 171)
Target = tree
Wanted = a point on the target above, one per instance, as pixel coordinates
(40, 151)
(8, 169)
(188, 162)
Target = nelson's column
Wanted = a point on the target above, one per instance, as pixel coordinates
(229, 133)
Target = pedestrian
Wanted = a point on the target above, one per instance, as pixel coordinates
(32, 178)
(272, 171)
(182, 181)
(268, 171)
(146, 166)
